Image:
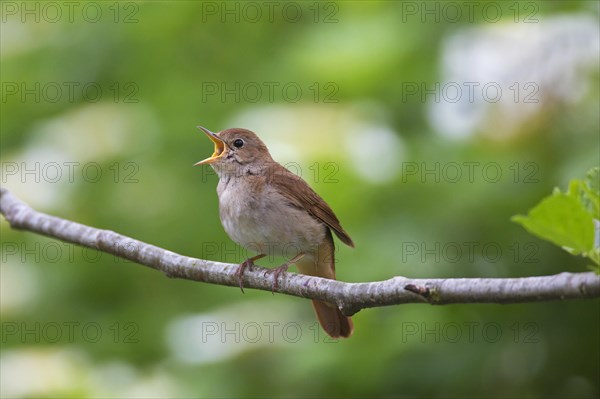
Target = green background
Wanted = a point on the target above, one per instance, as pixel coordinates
(394, 165)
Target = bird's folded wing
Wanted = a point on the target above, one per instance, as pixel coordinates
(302, 196)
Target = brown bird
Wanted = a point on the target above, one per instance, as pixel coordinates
(269, 210)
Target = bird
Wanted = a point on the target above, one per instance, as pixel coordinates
(271, 211)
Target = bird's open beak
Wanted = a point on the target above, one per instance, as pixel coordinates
(219, 147)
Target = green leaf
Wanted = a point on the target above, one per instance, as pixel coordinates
(563, 220)
(592, 179)
(590, 192)
(571, 219)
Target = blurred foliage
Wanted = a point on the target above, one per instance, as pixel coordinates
(567, 219)
(417, 201)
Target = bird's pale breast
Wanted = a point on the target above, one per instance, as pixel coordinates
(259, 218)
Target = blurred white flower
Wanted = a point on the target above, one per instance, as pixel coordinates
(39, 372)
(51, 372)
(508, 74)
(249, 326)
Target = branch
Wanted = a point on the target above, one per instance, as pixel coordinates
(349, 297)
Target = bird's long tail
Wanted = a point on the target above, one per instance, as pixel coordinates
(332, 320)
(330, 317)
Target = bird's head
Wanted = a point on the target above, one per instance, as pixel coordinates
(236, 151)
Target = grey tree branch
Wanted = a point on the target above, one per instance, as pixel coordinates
(350, 297)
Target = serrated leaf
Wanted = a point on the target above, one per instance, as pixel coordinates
(592, 179)
(590, 192)
(563, 220)
(590, 201)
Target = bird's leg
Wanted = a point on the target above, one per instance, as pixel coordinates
(248, 263)
(280, 269)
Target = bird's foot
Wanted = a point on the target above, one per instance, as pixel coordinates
(247, 264)
(278, 270)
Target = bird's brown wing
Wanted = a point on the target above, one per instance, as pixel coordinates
(300, 195)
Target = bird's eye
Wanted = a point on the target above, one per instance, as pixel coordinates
(238, 143)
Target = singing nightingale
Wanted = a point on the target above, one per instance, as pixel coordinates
(271, 211)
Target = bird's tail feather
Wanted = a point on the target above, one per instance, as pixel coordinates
(323, 265)
(335, 324)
